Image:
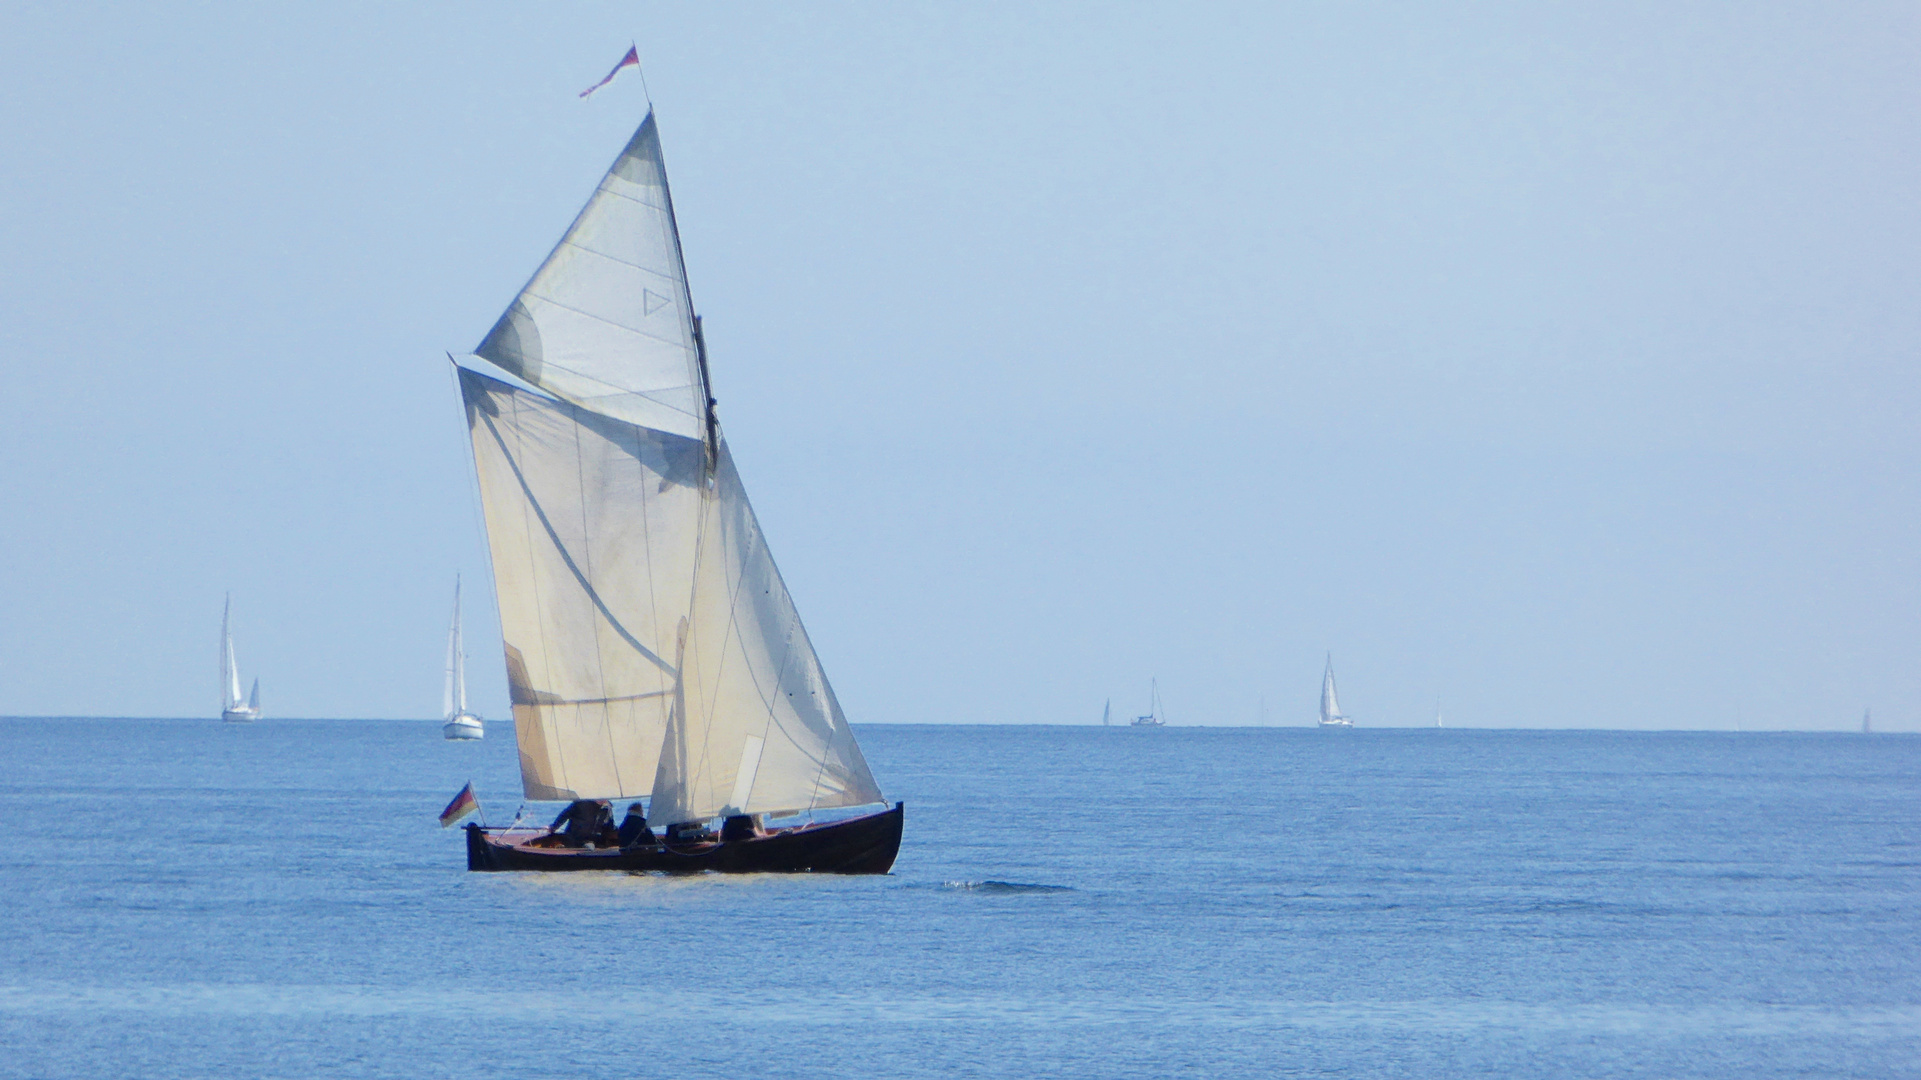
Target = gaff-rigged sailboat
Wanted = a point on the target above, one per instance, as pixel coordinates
(652, 648)
(461, 723)
(232, 708)
(1331, 708)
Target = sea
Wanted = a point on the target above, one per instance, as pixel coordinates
(186, 898)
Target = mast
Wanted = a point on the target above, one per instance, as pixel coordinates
(453, 700)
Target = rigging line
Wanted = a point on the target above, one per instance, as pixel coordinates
(600, 660)
(642, 69)
(566, 557)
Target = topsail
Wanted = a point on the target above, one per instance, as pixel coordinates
(651, 645)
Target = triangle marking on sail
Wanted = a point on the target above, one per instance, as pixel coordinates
(651, 301)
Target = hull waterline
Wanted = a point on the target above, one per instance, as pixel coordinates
(863, 845)
(464, 726)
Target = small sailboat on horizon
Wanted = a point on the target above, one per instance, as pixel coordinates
(1154, 717)
(460, 723)
(233, 708)
(1331, 716)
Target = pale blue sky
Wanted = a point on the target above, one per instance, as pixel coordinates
(1557, 363)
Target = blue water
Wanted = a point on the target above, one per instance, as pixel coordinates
(183, 898)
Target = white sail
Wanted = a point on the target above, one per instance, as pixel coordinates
(651, 645)
(606, 322)
(757, 727)
(253, 699)
(592, 523)
(229, 671)
(1330, 707)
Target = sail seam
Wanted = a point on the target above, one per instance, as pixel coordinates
(673, 282)
(604, 189)
(636, 331)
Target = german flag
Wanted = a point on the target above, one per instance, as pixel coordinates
(463, 804)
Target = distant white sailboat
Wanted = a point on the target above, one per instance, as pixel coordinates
(1437, 712)
(1867, 721)
(1330, 708)
(1107, 712)
(232, 708)
(461, 724)
(1154, 717)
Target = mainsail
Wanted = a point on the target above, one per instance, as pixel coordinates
(651, 645)
(1330, 708)
(229, 671)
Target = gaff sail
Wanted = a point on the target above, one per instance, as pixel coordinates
(651, 645)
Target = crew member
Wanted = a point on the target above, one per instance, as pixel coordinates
(583, 822)
(633, 828)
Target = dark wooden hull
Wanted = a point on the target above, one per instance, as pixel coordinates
(863, 845)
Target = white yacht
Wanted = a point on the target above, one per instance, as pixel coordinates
(461, 724)
(1155, 717)
(1330, 708)
(232, 708)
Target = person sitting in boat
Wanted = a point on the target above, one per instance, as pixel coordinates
(583, 822)
(633, 828)
(739, 827)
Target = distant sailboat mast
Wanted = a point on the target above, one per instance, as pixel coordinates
(1154, 718)
(454, 701)
(1867, 721)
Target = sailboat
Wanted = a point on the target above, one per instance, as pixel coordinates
(1330, 708)
(652, 649)
(461, 724)
(1154, 717)
(1107, 712)
(1437, 712)
(233, 708)
(1867, 721)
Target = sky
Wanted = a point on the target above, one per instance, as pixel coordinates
(1552, 363)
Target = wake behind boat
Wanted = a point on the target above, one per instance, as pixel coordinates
(653, 651)
(233, 708)
(460, 723)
